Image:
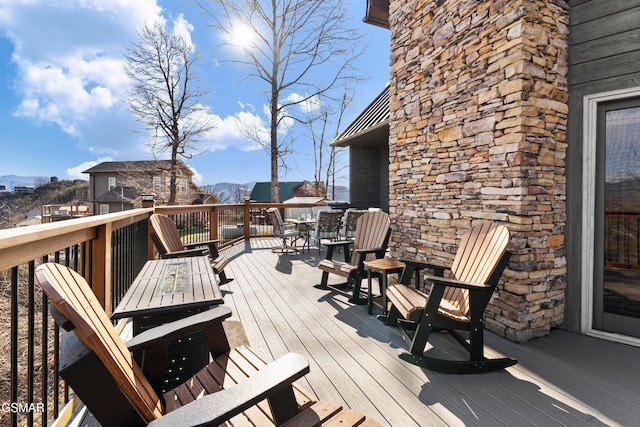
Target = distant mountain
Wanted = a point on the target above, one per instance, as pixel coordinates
(341, 193)
(226, 186)
(622, 196)
(10, 181)
(228, 192)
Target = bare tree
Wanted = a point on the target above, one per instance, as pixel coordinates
(324, 126)
(299, 49)
(165, 95)
(228, 193)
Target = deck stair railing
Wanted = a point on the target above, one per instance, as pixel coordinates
(109, 250)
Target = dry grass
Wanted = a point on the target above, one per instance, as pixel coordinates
(23, 338)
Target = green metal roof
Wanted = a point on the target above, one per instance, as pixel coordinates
(261, 192)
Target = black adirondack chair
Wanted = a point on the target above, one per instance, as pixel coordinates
(370, 242)
(455, 303)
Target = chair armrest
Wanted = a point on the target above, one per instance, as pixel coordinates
(338, 243)
(185, 253)
(443, 281)
(288, 225)
(371, 251)
(200, 244)
(332, 245)
(218, 407)
(362, 255)
(421, 265)
(179, 328)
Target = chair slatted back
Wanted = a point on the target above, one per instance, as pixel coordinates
(372, 230)
(167, 233)
(71, 296)
(478, 255)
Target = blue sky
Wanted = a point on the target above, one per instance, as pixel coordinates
(63, 89)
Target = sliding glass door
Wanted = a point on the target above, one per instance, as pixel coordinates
(616, 251)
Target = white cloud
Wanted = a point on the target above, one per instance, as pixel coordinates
(246, 105)
(69, 62)
(67, 95)
(231, 130)
(183, 28)
(76, 171)
(308, 105)
(198, 179)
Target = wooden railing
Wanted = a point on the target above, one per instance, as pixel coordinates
(109, 251)
(622, 241)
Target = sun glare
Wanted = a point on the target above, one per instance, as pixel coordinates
(242, 36)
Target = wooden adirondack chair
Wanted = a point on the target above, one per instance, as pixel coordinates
(233, 386)
(350, 218)
(370, 242)
(456, 302)
(167, 241)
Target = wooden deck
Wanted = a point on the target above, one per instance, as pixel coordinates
(563, 379)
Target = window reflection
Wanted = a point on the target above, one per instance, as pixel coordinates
(622, 213)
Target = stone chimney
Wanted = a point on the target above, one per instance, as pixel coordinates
(479, 109)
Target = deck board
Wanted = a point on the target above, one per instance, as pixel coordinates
(562, 379)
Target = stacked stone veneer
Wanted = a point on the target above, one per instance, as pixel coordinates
(477, 132)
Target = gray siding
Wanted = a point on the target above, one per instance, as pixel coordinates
(369, 176)
(604, 55)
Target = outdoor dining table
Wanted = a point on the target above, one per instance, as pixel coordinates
(171, 289)
(304, 226)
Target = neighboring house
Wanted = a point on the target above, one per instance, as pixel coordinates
(525, 113)
(34, 217)
(117, 186)
(34, 220)
(261, 192)
(53, 213)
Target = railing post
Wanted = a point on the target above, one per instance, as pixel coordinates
(101, 266)
(149, 201)
(213, 223)
(247, 218)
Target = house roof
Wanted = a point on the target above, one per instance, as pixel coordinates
(371, 125)
(262, 191)
(136, 166)
(377, 13)
(298, 200)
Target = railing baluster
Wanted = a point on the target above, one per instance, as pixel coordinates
(45, 355)
(14, 342)
(56, 375)
(30, 339)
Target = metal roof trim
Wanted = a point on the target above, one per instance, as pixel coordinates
(373, 117)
